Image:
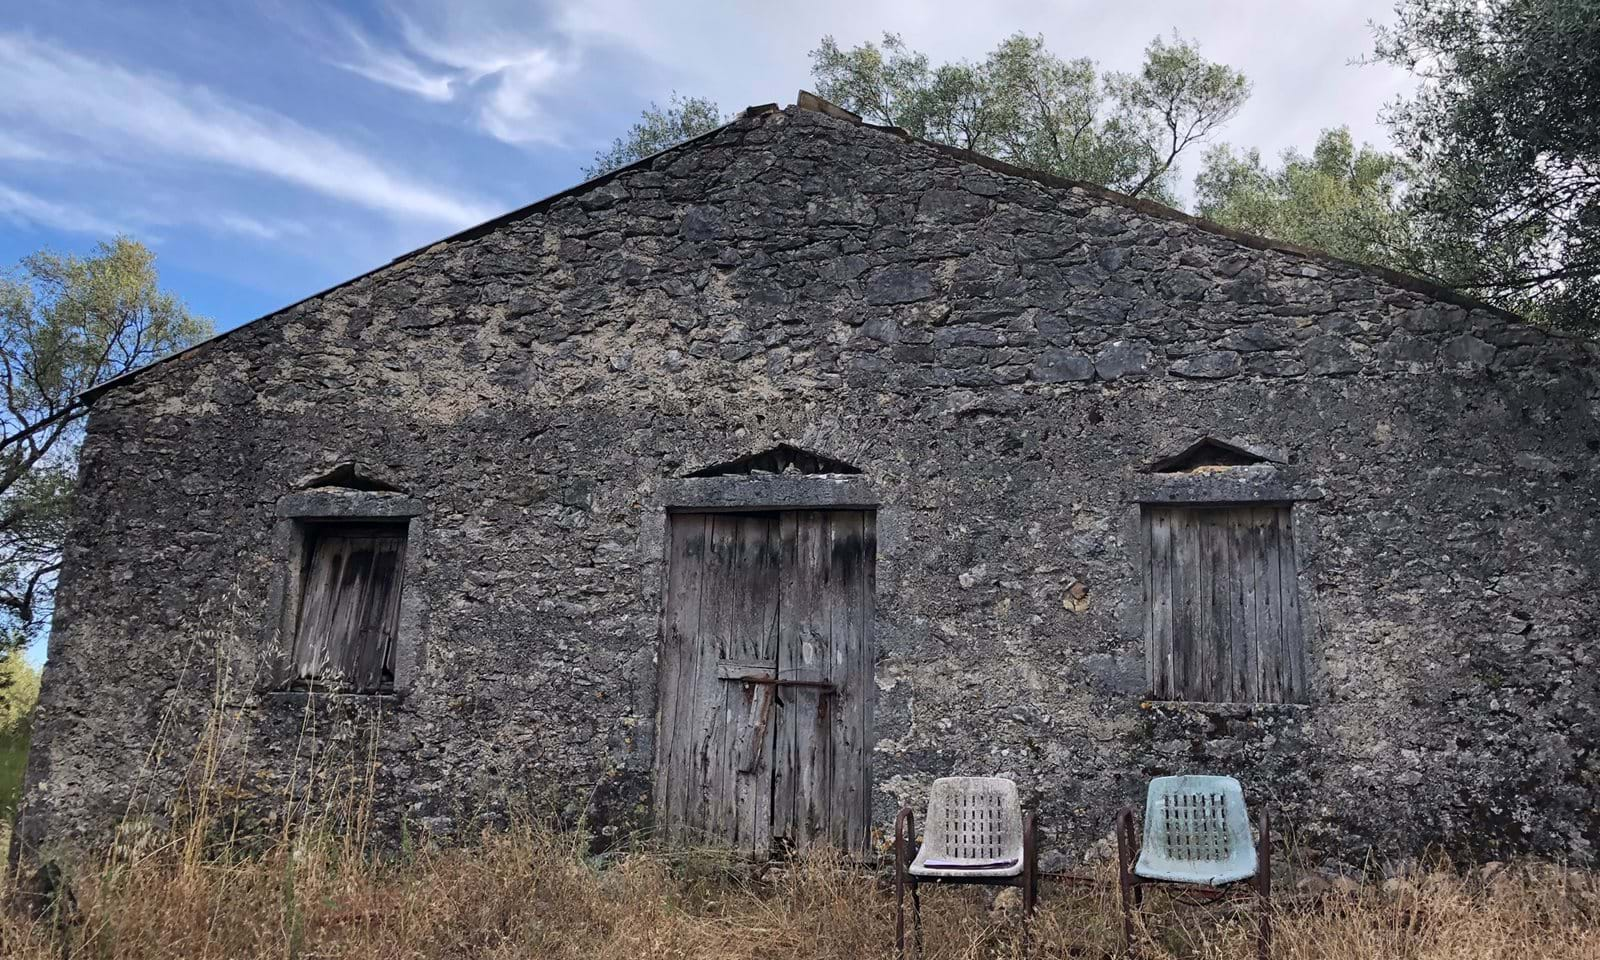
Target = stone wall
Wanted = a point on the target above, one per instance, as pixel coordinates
(1001, 357)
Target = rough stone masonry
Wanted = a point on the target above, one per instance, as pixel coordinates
(1002, 355)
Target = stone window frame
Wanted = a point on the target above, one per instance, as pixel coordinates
(1261, 484)
(298, 514)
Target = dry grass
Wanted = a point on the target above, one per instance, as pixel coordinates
(317, 888)
(529, 893)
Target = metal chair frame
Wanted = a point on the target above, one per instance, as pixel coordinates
(905, 831)
(1131, 886)
(906, 836)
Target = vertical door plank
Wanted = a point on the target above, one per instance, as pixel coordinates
(1254, 573)
(850, 593)
(803, 760)
(325, 567)
(681, 651)
(1268, 640)
(669, 662)
(712, 804)
(1152, 676)
(863, 680)
(1292, 662)
(1206, 631)
(1240, 585)
(379, 616)
(1164, 681)
(750, 708)
(1186, 594)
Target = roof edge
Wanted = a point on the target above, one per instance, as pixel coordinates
(92, 394)
(805, 100)
(1405, 281)
(810, 101)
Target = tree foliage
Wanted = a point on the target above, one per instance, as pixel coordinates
(657, 129)
(66, 324)
(1341, 199)
(19, 680)
(1504, 136)
(1028, 106)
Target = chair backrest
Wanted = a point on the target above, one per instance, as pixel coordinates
(1199, 821)
(973, 818)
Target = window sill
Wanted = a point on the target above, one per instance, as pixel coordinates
(1226, 707)
(335, 696)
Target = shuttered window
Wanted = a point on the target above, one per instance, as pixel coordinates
(1222, 610)
(349, 607)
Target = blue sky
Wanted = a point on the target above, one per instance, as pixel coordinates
(266, 151)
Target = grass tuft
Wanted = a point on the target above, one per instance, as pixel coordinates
(526, 892)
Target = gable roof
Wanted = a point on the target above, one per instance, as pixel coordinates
(811, 102)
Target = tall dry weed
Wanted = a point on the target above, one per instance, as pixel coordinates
(525, 892)
(321, 886)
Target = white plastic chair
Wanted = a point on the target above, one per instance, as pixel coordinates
(976, 833)
(1196, 833)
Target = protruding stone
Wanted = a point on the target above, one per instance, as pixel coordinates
(699, 223)
(1468, 351)
(1257, 336)
(1330, 355)
(1062, 366)
(899, 285)
(1217, 365)
(1124, 358)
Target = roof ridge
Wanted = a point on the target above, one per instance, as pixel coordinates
(468, 233)
(1406, 281)
(811, 103)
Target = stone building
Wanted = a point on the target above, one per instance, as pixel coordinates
(749, 488)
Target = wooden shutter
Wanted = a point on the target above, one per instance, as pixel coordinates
(350, 607)
(1222, 608)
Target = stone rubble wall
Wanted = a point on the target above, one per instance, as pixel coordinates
(1000, 358)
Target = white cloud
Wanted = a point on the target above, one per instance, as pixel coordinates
(394, 69)
(22, 207)
(130, 113)
(510, 74)
(248, 226)
(501, 61)
(12, 148)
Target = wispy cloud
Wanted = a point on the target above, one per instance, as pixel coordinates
(247, 226)
(12, 148)
(393, 68)
(23, 207)
(132, 112)
(501, 62)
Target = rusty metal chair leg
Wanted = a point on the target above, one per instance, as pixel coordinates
(899, 916)
(1030, 865)
(902, 826)
(1264, 889)
(1125, 886)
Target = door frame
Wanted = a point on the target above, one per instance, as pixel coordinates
(738, 494)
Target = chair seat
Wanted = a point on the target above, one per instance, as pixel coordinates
(1196, 831)
(974, 830)
(1214, 873)
(926, 866)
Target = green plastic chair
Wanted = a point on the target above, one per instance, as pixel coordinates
(1196, 834)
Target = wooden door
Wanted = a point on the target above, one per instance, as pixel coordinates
(764, 723)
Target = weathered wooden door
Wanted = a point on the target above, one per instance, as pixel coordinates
(765, 705)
